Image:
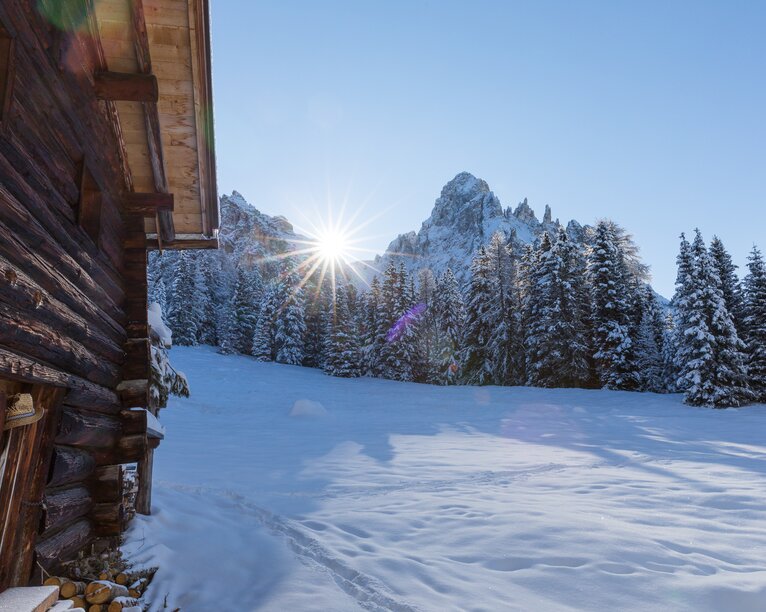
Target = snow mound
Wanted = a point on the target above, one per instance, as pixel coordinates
(157, 325)
(308, 408)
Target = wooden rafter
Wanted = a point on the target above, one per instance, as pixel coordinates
(153, 132)
(148, 204)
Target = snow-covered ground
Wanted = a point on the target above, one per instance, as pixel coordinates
(279, 488)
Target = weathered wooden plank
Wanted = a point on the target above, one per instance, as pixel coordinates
(70, 465)
(123, 86)
(128, 450)
(147, 203)
(134, 393)
(133, 422)
(62, 544)
(64, 506)
(38, 444)
(19, 290)
(81, 428)
(43, 258)
(81, 392)
(21, 331)
(145, 473)
(107, 484)
(138, 351)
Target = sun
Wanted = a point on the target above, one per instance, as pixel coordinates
(333, 246)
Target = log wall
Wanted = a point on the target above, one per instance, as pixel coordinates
(72, 274)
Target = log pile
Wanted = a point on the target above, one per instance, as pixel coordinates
(103, 582)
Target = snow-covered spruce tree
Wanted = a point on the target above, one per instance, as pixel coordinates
(534, 278)
(184, 313)
(393, 333)
(408, 323)
(215, 299)
(290, 324)
(503, 345)
(239, 329)
(372, 341)
(685, 317)
(263, 336)
(426, 364)
(755, 323)
(712, 361)
(481, 307)
(615, 354)
(558, 345)
(650, 340)
(317, 317)
(730, 285)
(450, 315)
(342, 354)
(670, 371)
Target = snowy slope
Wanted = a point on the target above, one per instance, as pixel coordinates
(411, 497)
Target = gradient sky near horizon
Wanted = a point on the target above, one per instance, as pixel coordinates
(651, 113)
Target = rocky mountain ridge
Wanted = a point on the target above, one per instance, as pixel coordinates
(465, 216)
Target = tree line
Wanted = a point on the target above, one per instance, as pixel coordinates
(556, 313)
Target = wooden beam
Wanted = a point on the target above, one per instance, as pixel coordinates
(148, 204)
(134, 393)
(62, 544)
(165, 225)
(127, 87)
(64, 506)
(81, 392)
(153, 244)
(69, 465)
(88, 429)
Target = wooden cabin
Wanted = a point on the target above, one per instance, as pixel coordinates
(106, 151)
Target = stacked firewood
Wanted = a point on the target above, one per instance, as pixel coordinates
(103, 582)
(109, 593)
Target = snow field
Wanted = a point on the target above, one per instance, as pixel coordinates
(412, 497)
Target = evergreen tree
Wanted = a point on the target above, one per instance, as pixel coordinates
(372, 339)
(450, 315)
(318, 307)
(475, 362)
(184, 314)
(210, 311)
(613, 309)
(650, 341)
(290, 324)
(393, 333)
(558, 346)
(263, 336)
(755, 323)
(239, 329)
(713, 364)
(342, 340)
(730, 285)
(426, 363)
(504, 344)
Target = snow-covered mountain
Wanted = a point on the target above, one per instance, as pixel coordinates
(250, 235)
(464, 217)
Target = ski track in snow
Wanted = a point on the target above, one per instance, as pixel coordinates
(413, 498)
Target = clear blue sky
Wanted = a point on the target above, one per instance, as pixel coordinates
(651, 113)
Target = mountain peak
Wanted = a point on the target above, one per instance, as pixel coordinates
(465, 185)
